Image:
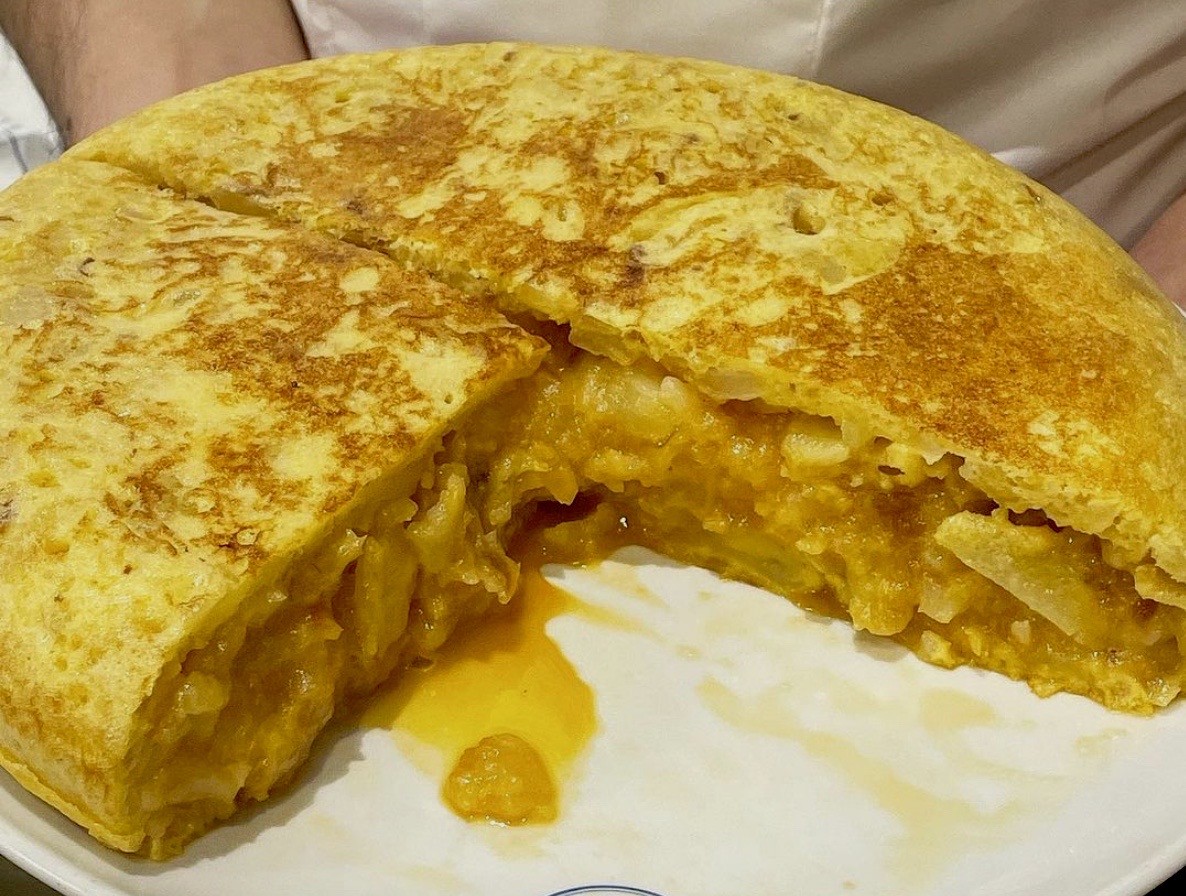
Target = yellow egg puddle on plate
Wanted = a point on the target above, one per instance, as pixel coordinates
(502, 694)
(926, 758)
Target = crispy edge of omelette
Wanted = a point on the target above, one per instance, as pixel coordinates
(215, 431)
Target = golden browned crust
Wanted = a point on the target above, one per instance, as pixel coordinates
(197, 387)
(190, 397)
(758, 234)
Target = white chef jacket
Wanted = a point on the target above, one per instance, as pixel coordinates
(1088, 96)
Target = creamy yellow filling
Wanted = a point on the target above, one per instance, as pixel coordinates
(842, 522)
(240, 712)
(839, 521)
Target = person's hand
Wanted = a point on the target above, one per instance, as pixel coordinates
(1162, 252)
(97, 60)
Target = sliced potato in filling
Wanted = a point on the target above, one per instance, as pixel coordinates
(841, 523)
(240, 713)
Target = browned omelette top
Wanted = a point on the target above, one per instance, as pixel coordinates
(189, 397)
(764, 236)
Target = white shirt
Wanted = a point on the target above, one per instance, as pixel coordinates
(1088, 96)
(27, 133)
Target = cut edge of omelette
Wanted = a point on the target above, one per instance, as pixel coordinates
(229, 496)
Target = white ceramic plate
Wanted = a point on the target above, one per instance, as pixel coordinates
(743, 748)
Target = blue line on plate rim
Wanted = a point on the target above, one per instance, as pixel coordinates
(605, 888)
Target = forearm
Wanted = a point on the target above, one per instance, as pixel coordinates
(97, 60)
(1162, 251)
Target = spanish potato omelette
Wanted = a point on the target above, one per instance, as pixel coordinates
(785, 332)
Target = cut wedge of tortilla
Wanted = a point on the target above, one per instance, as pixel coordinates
(223, 440)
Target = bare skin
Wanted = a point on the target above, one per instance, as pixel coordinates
(83, 55)
(1162, 251)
